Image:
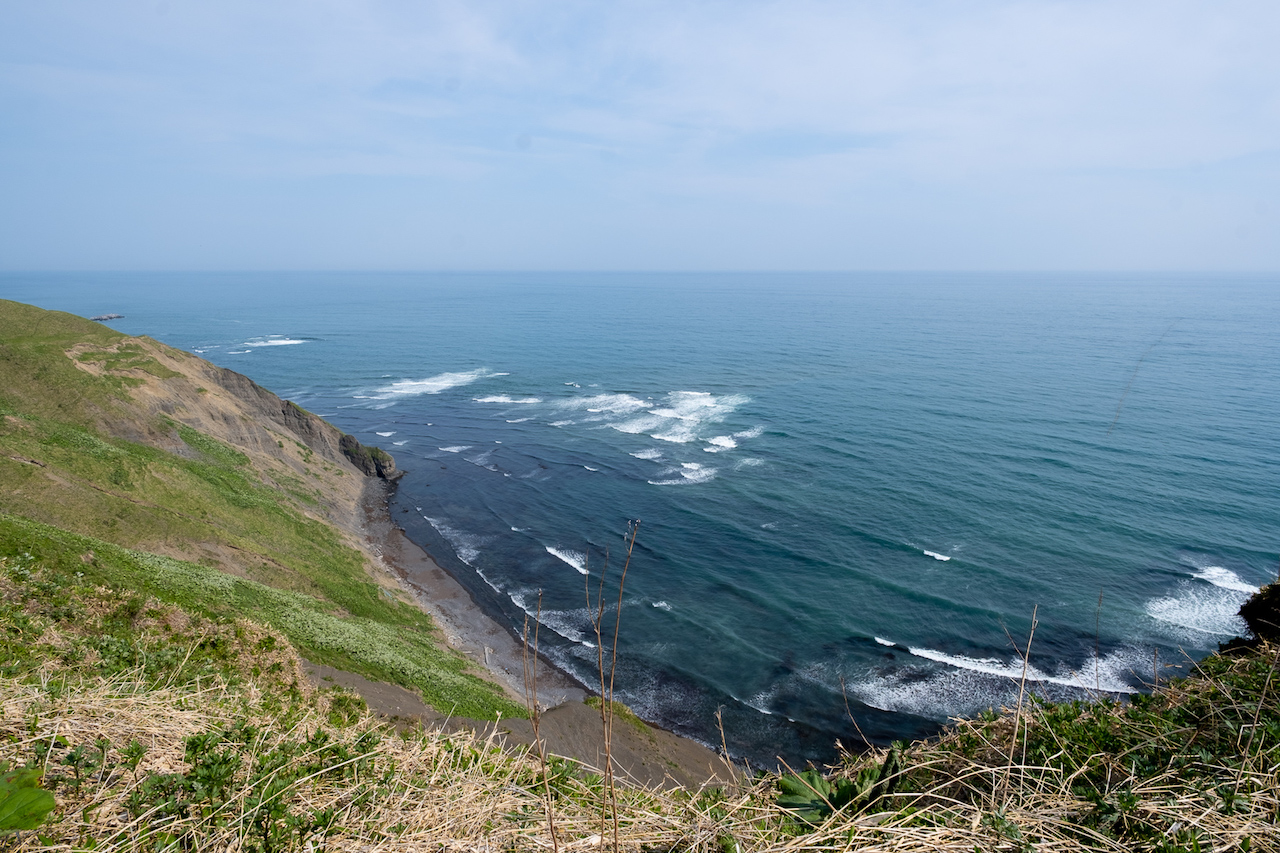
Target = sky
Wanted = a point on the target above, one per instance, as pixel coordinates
(645, 135)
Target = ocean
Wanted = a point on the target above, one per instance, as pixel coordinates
(853, 490)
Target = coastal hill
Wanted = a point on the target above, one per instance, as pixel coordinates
(185, 558)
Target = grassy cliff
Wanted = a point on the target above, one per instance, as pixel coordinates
(144, 468)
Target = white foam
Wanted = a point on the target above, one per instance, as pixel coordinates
(589, 468)
(238, 352)
(562, 423)
(433, 384)
(943, 557)
(1013, 669)
(662, 605)
(749, 462)
(386, 434)
(1196, 613)
(754, 432)
(1225, 579)
(400, 443)
(760, 701)
(610, 404)
(636, 426)
(561, 621)
(577, 559)
(273, 341)
(769, 525)
(503, 398)
(465, 545)
(485, 578)
(457, 448)
(518, 420)
(979, 684)
(648, 453)
(682, 416)
(690, 473)
(719, 443)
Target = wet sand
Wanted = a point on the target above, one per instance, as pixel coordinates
(642, 753)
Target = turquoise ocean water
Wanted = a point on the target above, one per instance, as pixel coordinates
(852, 488)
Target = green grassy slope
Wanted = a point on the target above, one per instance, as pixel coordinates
(70, 484)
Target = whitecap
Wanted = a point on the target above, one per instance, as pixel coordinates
(433, 384)
(636, 426)
(943, 557)
(238, 352)
(386, 434)
(690, 473)
(589, 468)
(754, 432)
(274, 341)
(400, 443)
(719, 443)
(519, 420)
(465, 545)
(577, 559)
(1198, 613)
(648, 453)
(677, 435)
(563, 622)
(662, 605)
(457, 448)
(1225, 579)
(979, 684)
(613, 404)
(562, 423)
(681, 417)
(749, 462)
(1014, 670)
(503, 398)
(882, 641)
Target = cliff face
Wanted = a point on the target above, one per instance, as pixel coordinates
(316, 434)
(280, 437)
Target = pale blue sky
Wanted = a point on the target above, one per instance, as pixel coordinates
(355, 134)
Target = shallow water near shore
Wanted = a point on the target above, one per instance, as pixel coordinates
(853, 490)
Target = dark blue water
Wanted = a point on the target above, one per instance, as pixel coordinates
(852, 488)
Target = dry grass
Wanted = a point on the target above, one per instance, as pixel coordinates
(432, 791)
(214, 741)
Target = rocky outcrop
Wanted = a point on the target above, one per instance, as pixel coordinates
(373, 461)
(1262, 613)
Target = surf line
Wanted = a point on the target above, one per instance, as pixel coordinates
(1134, 375)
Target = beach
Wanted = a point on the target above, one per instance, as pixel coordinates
(642, 754)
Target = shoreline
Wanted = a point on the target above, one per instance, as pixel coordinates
(465, 625)
(642, 753)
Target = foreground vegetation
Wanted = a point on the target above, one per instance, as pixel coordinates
(160, 727)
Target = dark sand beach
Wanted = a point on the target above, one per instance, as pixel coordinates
(642, 753)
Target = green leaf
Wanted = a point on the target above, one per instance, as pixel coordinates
(23, 803)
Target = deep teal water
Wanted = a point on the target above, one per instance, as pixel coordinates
(849, 486)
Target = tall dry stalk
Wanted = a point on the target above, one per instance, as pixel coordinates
(1022, 692)
(610, 805)
(535, 715)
